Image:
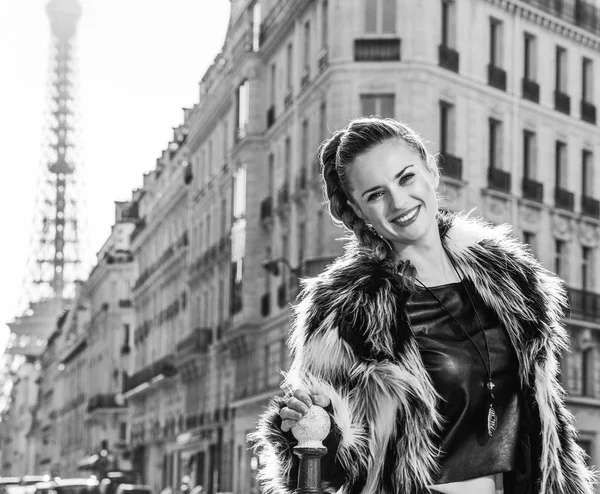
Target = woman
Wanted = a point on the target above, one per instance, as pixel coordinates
(433, 342)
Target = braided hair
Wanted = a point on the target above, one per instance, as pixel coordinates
(340, 151)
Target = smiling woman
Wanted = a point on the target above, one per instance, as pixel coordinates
(432, 342)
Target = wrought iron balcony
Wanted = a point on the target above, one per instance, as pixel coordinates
(584, 305)
(499, 180)
(452, 166)
(564, 199)
(497, 77)
(588, 112)
(165, 367)
(270, 116)
(562, 102)
(196, 342)
(532, 190)
(266, 208)
(104, 401)
(322, 61)
(531, 90)
(377, 50)
(590, 206)
(448, 58)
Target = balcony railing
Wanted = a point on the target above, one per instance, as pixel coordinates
(377, 50)
(499, 180)
(578, 12)
(590, 206)
(532, 190)
(531, 90)
(266, 208)
(564, 199)
(497, 77)
(588, 112)
(104, 400)
(164, 367)
(562, 102)
(584, 305)
(448, 58)
(323, 60)
(196, 342)
(452, 166)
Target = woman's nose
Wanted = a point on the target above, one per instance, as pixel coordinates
(397, 198)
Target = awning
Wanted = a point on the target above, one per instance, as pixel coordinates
(88, 462)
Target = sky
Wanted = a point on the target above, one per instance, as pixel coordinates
(140, 62)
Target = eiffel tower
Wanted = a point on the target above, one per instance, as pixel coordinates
(55, 258)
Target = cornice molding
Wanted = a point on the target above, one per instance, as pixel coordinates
(549, 22)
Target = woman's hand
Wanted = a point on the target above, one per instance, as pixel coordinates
(298, 405)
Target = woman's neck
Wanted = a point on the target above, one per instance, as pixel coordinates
(431, 262)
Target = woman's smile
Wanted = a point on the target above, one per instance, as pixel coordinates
(407, 218)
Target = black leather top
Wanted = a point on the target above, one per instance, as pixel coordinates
(459, 376)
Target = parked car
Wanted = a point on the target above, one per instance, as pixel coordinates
(109, 484)
(68, 486)
(133, 489)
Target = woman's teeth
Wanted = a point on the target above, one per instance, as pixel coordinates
(407, 216)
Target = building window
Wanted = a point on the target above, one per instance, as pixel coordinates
(380, 16)
(243, 109)
(305, 143)
(559, 257)
(530, 58)
(560, 165)
(289, 66)
(288, 158)
(529, 154)
(586, 265)
(271, 172)
(377, 104)
(324, 24)
(306, 56)
(447, 126)
(587, 173)
(273, 362)
(323, 120)
(256, 18)
(238, 239)
(530, 239)
(495, 143)
(239, 193)
(496, 42)
(449, 23)
(223, 216)
(587, 80)
(273, 91)
(561, 70)
(301, 240)
(587, 371)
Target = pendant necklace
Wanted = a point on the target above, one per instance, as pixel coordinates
(492, 418)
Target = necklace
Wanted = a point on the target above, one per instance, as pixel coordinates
(492, 418)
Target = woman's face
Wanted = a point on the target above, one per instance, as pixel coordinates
(394, 190)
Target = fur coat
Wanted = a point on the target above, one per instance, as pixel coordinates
(351, 341)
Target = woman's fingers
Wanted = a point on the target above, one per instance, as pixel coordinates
(303, 396)
(298, 405)
(290, 414)
(286, 425)
(321, 400)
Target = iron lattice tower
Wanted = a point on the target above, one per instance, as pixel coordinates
(56, 251)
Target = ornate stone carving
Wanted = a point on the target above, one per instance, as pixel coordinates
(562, 227)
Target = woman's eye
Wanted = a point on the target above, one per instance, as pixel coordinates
(374, 195)
(406, 178)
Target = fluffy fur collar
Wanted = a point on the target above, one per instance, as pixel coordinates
(352, 341)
